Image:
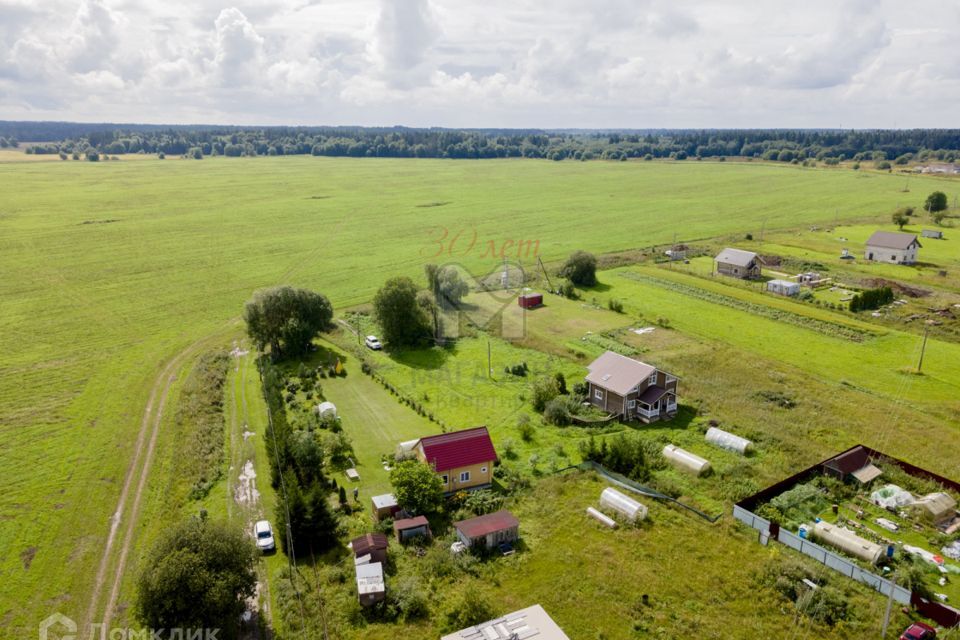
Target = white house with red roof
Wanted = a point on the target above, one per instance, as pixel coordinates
(463, 459)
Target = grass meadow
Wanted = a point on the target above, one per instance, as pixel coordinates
(111, 269)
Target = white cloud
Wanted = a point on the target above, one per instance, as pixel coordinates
(523, 63)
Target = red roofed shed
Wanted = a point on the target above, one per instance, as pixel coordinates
(489, 530)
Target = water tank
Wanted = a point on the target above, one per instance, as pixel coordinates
(726, 440)
(686, 460)
(847, 541)
(624, 505)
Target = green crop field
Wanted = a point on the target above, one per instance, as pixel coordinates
(117, 275)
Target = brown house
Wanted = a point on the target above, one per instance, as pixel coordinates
(738, 263)
(631, 389)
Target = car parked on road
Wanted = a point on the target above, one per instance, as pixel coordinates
(373, 343)
(263, 533)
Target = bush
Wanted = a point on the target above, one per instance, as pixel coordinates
(568, 290)
(561, 383)
(581, 269)
(468, 610)
(556, 413)
(615, 305)
(936, 201)
(543, 391)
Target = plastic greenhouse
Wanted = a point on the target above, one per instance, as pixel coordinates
(624, 505)
(686, 460)
(726, 440)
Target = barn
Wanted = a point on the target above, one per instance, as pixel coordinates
(488, 530)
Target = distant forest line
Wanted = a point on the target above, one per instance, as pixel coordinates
(786, 145)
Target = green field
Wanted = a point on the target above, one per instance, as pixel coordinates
(112, 270)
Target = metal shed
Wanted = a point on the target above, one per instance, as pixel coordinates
(530, 300)
(384, 506)
(624, 505)
(783, 287)
(408, 528)
(686, 460)
(488, 530)
(728, 441)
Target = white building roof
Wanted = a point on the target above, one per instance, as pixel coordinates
(532, 622)
(370, 578)
(384, 501)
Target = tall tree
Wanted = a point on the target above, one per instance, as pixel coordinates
(398, 313)
(416, 487)
(936, 201)
(197, 576)
(286, 319)
(900, 218)
(580, 268)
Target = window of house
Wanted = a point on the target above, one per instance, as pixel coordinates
(653, 378)
(445, 479)
(464, 476)
(598, 394)
(632, 404)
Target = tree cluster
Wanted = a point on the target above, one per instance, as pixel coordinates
(404, 318)
(871, 299)
(286, 319)
(622, 454)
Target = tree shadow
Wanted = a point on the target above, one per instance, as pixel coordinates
(425, 358)
(600, 287)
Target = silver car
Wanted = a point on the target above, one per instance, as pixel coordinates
(263, 534)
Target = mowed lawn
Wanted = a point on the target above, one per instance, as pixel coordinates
(112, 268)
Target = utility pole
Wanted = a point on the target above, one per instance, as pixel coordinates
(886, 615)
(489, 361)
(923, 349)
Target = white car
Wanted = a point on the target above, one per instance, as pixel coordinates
(263, 533)
(373, 342)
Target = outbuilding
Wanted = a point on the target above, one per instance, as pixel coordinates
(408, 528)
(532, 622)
(530, 300)
(888, 246)
(932, 233)
(738, 263)
(373, 545)
(384, 506)
(783, 287)
(488, 530)
(371, 588)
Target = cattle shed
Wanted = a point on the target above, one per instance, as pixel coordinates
(408, 528)
(370, 544)
(783, 287)
(384, 506)
(530, 300)
(488, 530)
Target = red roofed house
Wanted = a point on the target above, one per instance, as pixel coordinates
(463, 459)
(488, 530)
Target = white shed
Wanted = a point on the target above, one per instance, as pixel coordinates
(686, 460)
(624, 505)
(783, 287)
(327, 410)
(726, 440)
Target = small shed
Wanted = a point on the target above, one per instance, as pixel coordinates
(371, 544)
(728, 441)
(613, 500)
(384, 506)
(408, 528)
(407, 449)
(370, 585)
(530, 300)
(935, 507)
(932, 233)
(686, 460)
(326, 410)
(488, 530)
(783, 287)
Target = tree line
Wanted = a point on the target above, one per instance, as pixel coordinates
(199, 141)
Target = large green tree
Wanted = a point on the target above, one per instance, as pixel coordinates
(398, 313)
(197, 576)
(580, 268)
(445, 283)
(416, 487)
(936, 201)
(286, 319)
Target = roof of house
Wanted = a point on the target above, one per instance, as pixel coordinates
(736, 257)
(368, 542)
(385, 501)
(783, 283)
(618, 373)
(410, 523)
(892, 240)
(532, 622)
(370, 578)
(487, 524)
(867, 474)
(458, 449)
(651, 395)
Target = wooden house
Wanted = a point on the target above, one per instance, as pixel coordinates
(463, 459)
(631, 389)
(737, 263)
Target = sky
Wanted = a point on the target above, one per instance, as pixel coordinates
(487, 63)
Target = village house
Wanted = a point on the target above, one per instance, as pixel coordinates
(738, 263)
(888, 246)
(463, 459)
(631, 389)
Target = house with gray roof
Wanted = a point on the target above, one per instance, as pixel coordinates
(631, 389)
(738, 263)
(888, 246)
(532, 623)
